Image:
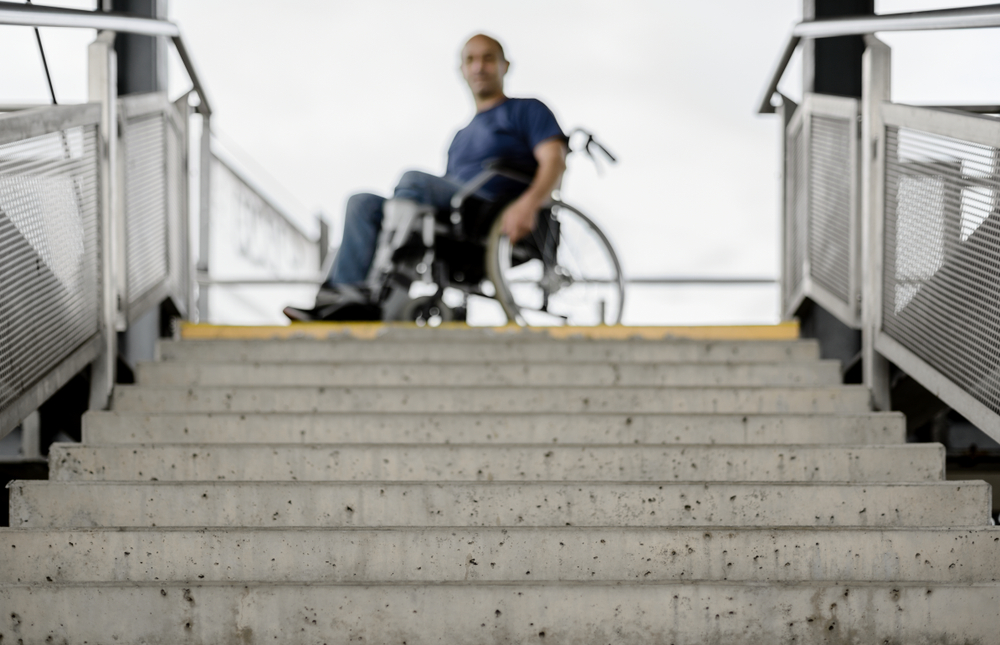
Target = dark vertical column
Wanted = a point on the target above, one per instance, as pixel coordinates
(833, 65)
(142, 60)
(142, 68)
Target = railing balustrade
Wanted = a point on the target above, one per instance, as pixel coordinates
(153, 152)
(892, 222)
(50, 248)
(822, 208)
(94, 217)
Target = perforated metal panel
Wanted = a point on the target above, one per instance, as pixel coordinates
(795, 200)
(146, 233)
(49, 254)
(822, 219)
(831, 205)
(941, 281)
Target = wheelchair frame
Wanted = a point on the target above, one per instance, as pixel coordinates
(422, 243)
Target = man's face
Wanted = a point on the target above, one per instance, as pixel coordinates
(483, 68)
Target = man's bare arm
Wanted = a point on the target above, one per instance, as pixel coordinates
(520, 216)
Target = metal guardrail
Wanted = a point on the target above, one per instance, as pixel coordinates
(40, 16)
(50, 242)
(927, 216)
(960, 18)
(153, 152)
(94, 216)
(822, 208)
(251, 240)
(939, 318)
(267, 239)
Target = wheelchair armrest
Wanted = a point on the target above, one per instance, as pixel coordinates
(492, 168)
(505, 168)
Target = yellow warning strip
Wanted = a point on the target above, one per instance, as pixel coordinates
(371, 330)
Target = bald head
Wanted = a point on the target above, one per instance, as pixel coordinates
(483, 68)
(488, 41)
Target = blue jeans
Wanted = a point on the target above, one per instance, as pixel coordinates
(363, 222)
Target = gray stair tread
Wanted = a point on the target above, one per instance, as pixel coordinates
(476, 613)
(946, 503)
(509, 427)
(311, 351)
(563, 462)
(490, 554)
(787, 374)
(465, 486)
(830, 399)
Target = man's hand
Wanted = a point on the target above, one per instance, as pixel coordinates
(519, 217)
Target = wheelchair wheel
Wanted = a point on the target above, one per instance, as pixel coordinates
(564, 273)
(423, 310)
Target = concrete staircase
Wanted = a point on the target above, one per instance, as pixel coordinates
(460, 486)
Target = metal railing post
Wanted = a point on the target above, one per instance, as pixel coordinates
(119, 214)
(31, 436)
(185, 275)
(204, 213)
(103, 89)
(786, 110)
(876, 84)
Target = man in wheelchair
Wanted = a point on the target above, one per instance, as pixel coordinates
(505, 163)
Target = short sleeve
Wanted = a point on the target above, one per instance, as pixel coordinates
(539, 123)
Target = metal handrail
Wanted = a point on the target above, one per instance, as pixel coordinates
(962, 18)
(700, 280)
(39, 16)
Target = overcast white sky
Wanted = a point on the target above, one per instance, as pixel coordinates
(329, 98)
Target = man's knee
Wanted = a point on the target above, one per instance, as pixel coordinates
(415, 185)
(364, 208)
(412, 179)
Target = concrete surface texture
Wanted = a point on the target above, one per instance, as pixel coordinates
(878, 428)
(459, 486)
(492, 373)
(425, 399)
(479, 350)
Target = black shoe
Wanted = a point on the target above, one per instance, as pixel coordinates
(299, 315)
(340, 302)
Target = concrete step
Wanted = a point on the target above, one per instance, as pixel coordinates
(334, 504)
(509, 427)
(331, 331)
(842, 399)
(502, 613)
(562, 462)
(808, 373)
(491, 554)
(480, 351)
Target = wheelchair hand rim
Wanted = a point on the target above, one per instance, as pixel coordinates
(499, 249)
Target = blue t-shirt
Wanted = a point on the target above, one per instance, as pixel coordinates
(509, 131)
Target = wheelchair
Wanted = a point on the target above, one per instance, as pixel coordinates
(429, 262)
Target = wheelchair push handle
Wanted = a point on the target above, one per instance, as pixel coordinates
(590, 142)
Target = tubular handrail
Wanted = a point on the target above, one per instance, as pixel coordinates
(39, 16)
(961, 18)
